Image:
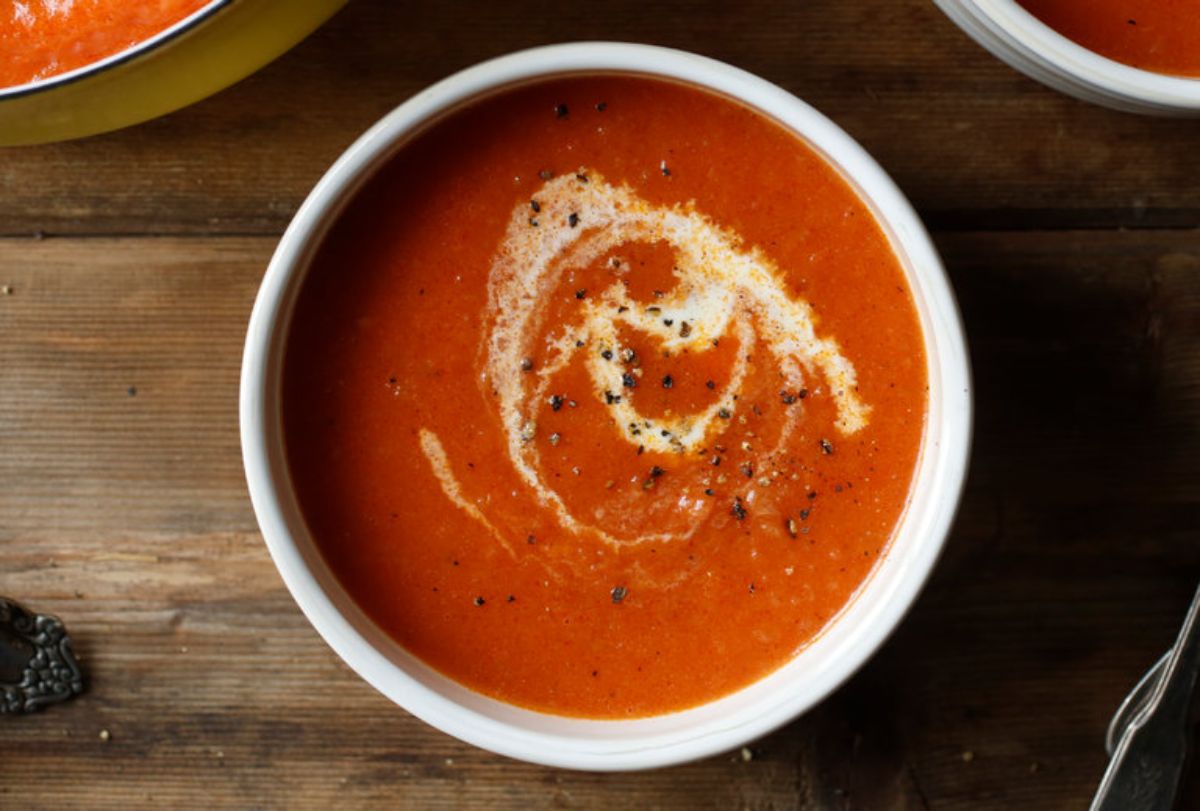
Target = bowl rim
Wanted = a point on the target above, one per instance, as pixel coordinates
(1031, 39)
(602, 745)
(104, 64)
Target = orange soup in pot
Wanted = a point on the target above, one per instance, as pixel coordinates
(43, 38)
(604, 396)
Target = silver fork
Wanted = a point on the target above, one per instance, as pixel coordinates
(1149, 734)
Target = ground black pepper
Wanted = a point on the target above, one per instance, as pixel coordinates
(738, 510)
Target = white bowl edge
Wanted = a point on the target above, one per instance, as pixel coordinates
(1025, 43)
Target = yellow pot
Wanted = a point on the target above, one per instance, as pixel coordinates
(221, 43)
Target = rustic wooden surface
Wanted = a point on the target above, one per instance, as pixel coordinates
(133, 260)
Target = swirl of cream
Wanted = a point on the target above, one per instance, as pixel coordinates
(721, 287)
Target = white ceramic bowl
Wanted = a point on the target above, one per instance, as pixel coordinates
(1037, 50)
(570, 742)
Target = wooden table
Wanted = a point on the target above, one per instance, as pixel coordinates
(133, 259)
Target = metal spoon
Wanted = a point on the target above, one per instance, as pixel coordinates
(1134, 703)
(1149, 735)
(37, 664)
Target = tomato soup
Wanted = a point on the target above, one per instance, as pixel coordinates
(1156, 35)
(604, 396)
(42, 38)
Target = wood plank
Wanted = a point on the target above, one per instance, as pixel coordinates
(1067, 574)
(972, 142)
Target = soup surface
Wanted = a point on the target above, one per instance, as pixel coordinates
(604, 396)
(42, 38)
(1158, 35)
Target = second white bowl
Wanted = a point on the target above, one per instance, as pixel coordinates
(1037, 50)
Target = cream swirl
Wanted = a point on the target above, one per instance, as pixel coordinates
(721, 288)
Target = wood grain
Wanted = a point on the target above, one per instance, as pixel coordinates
(975, 144)
(123, 509)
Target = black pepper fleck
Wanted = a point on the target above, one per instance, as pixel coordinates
(602, 106)
(710, 384)
(561, 110)
(573, 220)
(479, 601)
(629, 381)
(535, 205)
(606, 354)
(668, 382)
(738, 510)
(580, 293)
(556, 402)
(826, 447)
(526, 364)
(619, 593)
